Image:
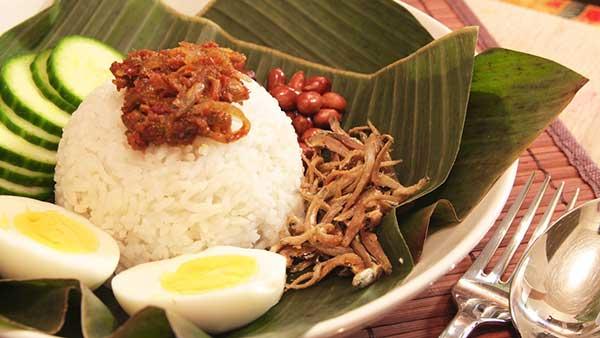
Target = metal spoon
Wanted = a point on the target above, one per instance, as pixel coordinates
(555, 291)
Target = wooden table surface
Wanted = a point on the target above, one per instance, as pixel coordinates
(427, 315)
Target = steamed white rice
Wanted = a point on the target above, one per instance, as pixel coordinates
(168, 201)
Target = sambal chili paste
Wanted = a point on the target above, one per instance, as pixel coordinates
(174, 95)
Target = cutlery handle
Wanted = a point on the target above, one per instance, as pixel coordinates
(461, 326)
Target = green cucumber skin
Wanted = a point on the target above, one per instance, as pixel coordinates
(45, 196)
(62, 90)
(11, 157)
(53, 72)
(45, 87)
(42, 181)
(31, 138)
(22, 109)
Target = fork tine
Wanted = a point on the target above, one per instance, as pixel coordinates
(545, 221)
(488, 251)
(515, 241)
(573, 201)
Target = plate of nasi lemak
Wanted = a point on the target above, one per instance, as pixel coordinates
(248, 168)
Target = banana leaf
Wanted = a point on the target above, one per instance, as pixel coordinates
(153, 322)
(514, 96)
(353, 35)
(45, 304)
(418, 91)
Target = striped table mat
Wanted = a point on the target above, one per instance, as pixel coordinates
(551, 153)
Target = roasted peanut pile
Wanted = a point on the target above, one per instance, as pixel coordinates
(308, 102)
(349, 185)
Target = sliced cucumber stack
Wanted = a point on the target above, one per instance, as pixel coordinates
(38, 93)
(10, 188)
(20, 92)
(40, 77)
(16, 150)
(25, 129)
(78, 65)
(24, 176)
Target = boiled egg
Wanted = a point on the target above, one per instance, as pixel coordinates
(43, 240)
(219, 289)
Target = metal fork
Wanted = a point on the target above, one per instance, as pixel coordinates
(483, 297)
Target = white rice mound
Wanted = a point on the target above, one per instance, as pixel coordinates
(167, 201)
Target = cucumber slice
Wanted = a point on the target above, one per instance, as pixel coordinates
(17, 151)
(22, 95)
(40, 77)
(78, 65)
(9, 188)
(25, 129)
(24, 176)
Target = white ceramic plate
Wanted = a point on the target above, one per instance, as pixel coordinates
(442, 251)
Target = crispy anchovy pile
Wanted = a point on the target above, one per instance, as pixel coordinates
(349, 185)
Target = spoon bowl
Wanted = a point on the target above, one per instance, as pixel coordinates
(555, 290)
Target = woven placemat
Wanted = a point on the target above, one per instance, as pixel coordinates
(428, 314)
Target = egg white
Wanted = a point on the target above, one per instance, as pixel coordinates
(214, 311)
(24, 258)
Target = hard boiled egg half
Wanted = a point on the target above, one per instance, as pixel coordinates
(219, 289)
(43, 240)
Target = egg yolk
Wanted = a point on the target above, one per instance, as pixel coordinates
(210, 273)
(56, 231)
(4, 222)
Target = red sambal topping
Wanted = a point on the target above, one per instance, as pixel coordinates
(174, 95)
